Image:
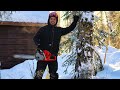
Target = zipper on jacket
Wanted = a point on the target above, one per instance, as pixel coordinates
(52, 38)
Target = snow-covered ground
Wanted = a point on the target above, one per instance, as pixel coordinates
(26, 69)
(112, 64)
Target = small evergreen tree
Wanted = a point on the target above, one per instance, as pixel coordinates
(86, 60)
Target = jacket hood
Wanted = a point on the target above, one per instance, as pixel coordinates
(54, 14)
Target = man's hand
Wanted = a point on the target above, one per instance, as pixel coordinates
(76, 18)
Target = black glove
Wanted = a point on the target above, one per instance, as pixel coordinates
(76, 18)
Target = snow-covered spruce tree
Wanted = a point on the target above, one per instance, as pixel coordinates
(4, 15)
(85, 58)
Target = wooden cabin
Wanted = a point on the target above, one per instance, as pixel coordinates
(16, 38)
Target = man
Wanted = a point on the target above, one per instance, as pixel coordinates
(47, 39)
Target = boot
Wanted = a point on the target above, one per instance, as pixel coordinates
(39, 74)
(53, 75)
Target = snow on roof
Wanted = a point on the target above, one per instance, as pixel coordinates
(28, 16)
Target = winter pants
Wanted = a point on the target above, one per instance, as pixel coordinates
(41, 66)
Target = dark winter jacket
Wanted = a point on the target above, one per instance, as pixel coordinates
(48, 37)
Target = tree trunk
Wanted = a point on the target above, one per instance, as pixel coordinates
(88, 62)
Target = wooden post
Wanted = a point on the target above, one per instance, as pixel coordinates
(105, 54)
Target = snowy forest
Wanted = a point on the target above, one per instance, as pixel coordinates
(91, 51)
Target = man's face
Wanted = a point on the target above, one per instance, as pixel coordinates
(53, 20)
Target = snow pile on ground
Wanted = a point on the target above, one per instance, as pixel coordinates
(24, 70)
(112, 64)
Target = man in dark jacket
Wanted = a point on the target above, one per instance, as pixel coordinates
(48, 38)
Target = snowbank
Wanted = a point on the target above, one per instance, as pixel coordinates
(24, 70)
(112, 65)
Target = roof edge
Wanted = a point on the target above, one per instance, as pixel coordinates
(10, 23)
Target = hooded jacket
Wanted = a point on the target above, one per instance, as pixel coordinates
(48, 37)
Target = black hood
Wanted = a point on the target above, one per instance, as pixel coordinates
(49, 21)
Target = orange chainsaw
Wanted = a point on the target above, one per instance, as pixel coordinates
(44, 55)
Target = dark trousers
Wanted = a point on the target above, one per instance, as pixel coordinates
(41, 66)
